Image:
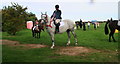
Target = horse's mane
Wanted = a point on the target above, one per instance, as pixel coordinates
(115, 20)
(48, 17)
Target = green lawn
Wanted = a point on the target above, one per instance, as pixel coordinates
(91, 38)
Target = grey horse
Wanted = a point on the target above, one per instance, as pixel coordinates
(66, 26)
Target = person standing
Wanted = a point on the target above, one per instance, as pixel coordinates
(88, 24)
(80, 23)
(84, 27)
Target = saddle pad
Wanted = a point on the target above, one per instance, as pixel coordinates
(61, 24)
(35, 27)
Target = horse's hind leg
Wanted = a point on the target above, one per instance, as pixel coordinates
(76, 42)
(68, 33)
(113, 36)
(110, 37)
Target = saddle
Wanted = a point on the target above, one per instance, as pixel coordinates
(58, 25)
(61, 24)
(36, 28)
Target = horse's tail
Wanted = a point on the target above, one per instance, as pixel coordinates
(106, 28)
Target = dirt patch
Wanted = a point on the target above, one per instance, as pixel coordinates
(69, 50)
(73, 51)
(81, 51)
(33, 45)
(8, 42)
(16, 43)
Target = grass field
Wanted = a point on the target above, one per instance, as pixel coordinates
(95, 39)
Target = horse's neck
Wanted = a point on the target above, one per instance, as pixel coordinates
(50, 24)
(48, 19)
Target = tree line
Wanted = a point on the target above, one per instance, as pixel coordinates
(14, 18)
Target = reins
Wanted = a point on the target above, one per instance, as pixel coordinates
(47, 21)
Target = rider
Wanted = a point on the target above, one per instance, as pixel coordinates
(36, 25)
(56, 17)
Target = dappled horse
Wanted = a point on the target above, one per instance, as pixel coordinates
(65, 26)
(112, 26)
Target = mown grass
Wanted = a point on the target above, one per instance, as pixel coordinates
(11, 54)
(91, 38)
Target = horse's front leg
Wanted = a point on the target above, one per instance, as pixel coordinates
(38, 34)
(52, 38)
(32, 33)
(113, 36)
(68, 33)
(35, 35)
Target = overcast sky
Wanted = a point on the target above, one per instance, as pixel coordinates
(71, 9)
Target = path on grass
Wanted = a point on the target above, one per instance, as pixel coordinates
(16, 43)
(68, 50)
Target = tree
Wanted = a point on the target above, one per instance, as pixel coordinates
(0, 20)
(13, 18)
(31, 17)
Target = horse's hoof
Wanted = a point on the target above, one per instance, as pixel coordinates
(52, 48)
(76, 44)
(68, 44)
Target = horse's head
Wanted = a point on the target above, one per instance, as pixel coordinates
(44, 17)
(41, 23)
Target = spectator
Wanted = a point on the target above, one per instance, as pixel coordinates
(88, 24)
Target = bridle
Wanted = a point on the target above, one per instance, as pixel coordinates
(46, 20)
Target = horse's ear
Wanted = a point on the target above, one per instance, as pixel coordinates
(41, 13)
(111, 19)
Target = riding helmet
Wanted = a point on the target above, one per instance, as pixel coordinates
(56, 6)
